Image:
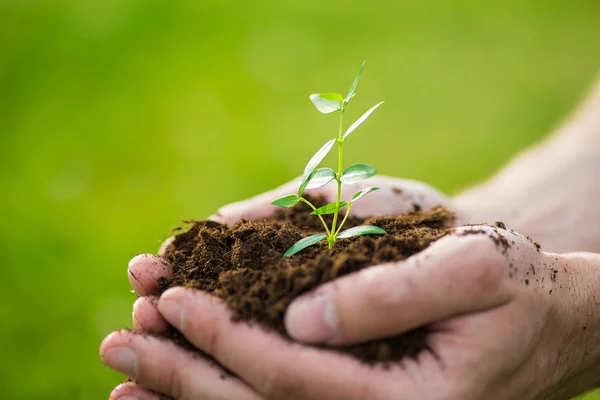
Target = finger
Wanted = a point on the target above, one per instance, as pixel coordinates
(260, 206)
(394, 197)
(143, 272)
(162, 366)
(279, 369)
(134, 391)
(146, 317)
(457, 274)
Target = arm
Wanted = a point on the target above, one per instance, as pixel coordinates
(552, 191)
(575, 360)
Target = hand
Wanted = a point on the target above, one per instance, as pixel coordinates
(395, 196)
(505, 323)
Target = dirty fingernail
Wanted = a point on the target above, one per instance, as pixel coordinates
(312, 319)
(174, 313)
(123, 359)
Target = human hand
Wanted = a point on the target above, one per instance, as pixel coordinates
(502, 325)
(396, 196)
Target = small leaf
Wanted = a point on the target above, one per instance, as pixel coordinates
(320, 177)
(363, 193)
(352, 90)
(304, 182)
(327, 102)
(332, 96)
(362, 119)
(356, 173)
(286, 201)
(329, 208)
(304, 243)
(315, 160)
(361, 230)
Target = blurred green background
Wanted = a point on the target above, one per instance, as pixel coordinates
(119, 118)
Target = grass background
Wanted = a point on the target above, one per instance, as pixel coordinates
(119, 118)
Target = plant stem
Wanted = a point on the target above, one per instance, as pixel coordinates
(344, 220)
(332, 235)
(302, 199)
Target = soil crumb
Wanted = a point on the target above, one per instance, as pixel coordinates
(244, 266)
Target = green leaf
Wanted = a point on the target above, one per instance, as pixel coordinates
(356, 173)
(320, 177)
(332, 96)
(362, 119)
(327, 102)
(361, 230)
(315, 160)
(304, 182)
(363, 193)
(304, 243)
(286, 201)
(329, 208)
(352, 90)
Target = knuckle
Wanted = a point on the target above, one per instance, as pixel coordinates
(384, 287)
(380, 290)
(481, 274)
(482, 278)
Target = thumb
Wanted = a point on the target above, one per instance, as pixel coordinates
(457, 274)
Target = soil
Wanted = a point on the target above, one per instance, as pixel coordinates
(244, 266)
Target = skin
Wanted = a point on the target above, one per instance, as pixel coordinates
(549, 192)
(506, 323)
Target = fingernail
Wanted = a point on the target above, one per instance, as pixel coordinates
(123, 359)
(174, 313)
(312, 319)
(128, 398)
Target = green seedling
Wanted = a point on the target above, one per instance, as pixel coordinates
(315, 177)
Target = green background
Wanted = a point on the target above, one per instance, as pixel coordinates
(119, 118)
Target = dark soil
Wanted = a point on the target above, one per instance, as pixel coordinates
(244, 266)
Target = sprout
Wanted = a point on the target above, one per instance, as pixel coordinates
(315, 177)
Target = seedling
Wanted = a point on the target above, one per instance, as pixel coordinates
(314, 177)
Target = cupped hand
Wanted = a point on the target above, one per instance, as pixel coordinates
(395, 196)
(497, 311)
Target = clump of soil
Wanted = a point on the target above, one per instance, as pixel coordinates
(244, 266)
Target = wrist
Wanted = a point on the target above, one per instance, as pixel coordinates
(573, 353)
